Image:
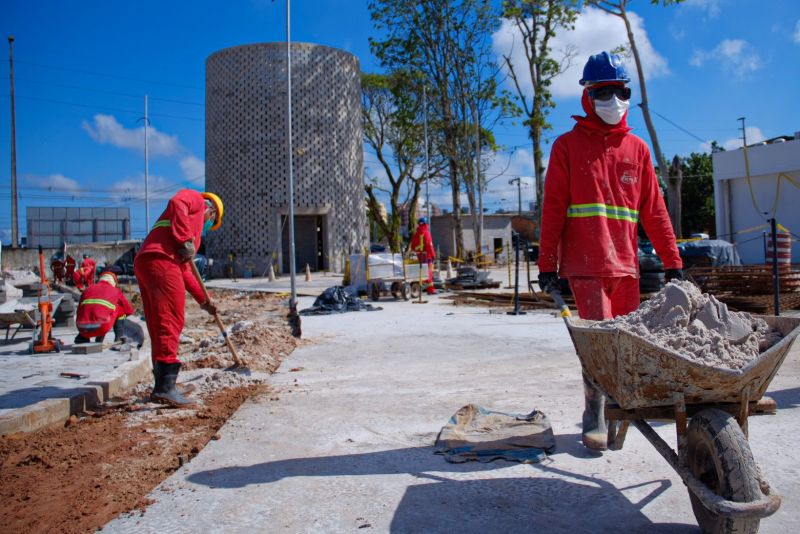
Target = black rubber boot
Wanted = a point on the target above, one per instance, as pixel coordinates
(119, 331)
(99, 339)
(165, 391)
(80, 339)
(595, 428)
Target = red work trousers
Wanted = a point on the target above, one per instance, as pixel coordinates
(164, 299)
(423, 258)
(604, 298)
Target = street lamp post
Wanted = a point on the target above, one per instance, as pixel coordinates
(292, 266)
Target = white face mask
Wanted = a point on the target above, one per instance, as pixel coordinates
(612, 110)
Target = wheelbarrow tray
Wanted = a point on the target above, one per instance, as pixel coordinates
(637, 373)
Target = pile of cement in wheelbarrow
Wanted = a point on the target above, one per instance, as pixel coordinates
(695, 324)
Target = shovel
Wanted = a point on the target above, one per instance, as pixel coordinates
(238, 363)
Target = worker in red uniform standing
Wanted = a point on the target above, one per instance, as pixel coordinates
(69, 265)
(600, 185)
(164, 273)
(422, 245)
(102, 307)
(84, 276)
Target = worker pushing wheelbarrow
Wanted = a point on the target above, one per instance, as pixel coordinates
(709, 404)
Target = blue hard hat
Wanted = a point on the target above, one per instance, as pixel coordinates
(604, 67)
(422, 220)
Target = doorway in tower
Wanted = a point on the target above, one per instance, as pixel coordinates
(309, 244)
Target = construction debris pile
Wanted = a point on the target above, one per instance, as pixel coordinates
(695, 324)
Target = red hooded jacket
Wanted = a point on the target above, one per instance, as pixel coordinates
(600, 183)
(181, 221)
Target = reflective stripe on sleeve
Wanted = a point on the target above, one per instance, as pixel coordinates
(162, 224)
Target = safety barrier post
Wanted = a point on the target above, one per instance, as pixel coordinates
(508, 262)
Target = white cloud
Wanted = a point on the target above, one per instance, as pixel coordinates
(796, 34)
(158, 188)
(712, 7)
(193, 168)
(735, 56)
(53, 182)
(595, 31)
(753, 134)
(106, 130)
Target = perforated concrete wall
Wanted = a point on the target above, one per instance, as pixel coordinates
(247, 159)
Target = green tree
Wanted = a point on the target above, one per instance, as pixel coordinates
(697, 195)
(537, 22)
(391, 110)
(439, 40)
(619, 8)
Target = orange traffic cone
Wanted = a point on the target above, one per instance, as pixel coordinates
(308, 273)
(271, 273)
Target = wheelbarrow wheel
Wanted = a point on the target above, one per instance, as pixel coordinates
(718, 454)
(375, 291)
(415, 290)
(405, 291)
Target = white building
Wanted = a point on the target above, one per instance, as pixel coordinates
(744, 206)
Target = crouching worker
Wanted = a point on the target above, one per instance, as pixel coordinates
(101, 308)
(163, 269)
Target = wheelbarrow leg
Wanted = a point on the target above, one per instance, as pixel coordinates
(616, 434)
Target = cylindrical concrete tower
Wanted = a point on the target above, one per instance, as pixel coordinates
(247, 156)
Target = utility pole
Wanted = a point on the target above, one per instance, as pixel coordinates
(427, 170)
(292, 266)
(146, 177)
(14, 215)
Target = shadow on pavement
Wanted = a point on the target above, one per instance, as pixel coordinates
(786, 398)
(539, 502)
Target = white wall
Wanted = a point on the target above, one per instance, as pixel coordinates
(740, 205)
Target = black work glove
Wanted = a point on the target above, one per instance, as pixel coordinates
(549, 282)
(186, 250)
(673, 274)
(209, 307)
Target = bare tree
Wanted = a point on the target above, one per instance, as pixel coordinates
(619, 8)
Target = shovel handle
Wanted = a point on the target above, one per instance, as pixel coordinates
(238, 361)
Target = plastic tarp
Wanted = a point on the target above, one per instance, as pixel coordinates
(475, 433)
(711, 252)
(337, 299)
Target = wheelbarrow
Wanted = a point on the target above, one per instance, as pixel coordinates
(709, 405)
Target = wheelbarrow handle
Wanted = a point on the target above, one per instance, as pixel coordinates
(561, 305)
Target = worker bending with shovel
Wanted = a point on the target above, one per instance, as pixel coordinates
(600, 185)
(163, 269)
(102, 307)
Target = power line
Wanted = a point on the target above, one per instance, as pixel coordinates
(103, 91)
(115, 76)
(119, 110)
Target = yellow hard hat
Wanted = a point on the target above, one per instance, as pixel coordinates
(218, 206)
(108, 276)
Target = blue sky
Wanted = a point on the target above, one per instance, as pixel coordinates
(82, 70)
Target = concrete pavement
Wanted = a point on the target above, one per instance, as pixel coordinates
(346, 444)
(34, 395)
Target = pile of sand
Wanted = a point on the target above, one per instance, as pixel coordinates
(698, 326)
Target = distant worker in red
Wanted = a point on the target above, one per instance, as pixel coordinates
(600, 185)
(164, 274)
(69, 265)
(422, 245)
(84, 276)
(57, 266)
(102, 307)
